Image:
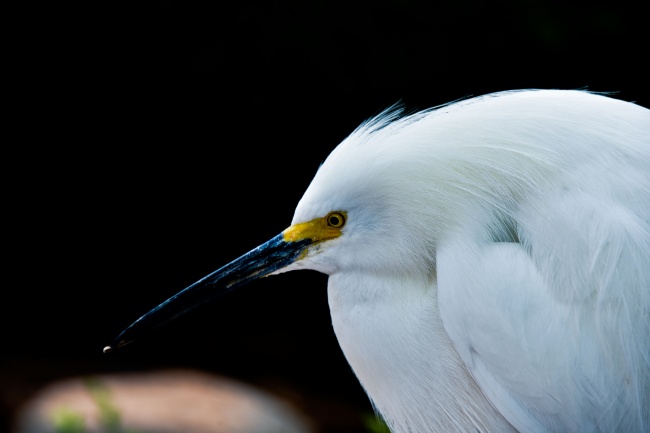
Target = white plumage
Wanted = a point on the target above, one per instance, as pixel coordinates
(489, 263)
(494, 270)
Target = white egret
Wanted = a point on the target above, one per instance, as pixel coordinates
(488, 262)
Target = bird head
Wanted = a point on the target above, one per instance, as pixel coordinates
(383, 199)
(356, 215)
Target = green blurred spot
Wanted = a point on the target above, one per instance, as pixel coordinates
(68, 421)
(109, 416)
(374, 424)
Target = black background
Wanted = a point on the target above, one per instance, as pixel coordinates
(158, 141)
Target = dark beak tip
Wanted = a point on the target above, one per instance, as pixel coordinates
(259, 262)
(115, 345)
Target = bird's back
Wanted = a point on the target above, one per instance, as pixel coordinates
(553, 320)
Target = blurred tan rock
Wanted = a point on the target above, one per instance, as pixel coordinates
(175, 401)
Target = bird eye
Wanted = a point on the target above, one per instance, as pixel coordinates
(335, 219)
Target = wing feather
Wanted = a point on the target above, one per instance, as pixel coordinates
(555, 328)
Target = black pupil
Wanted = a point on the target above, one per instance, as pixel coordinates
(334, 220)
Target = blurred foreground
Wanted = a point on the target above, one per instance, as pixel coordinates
(174, 401)
(164, 401)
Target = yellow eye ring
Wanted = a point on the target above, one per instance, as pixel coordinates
(335, 219)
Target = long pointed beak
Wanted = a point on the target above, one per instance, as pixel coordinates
(269, 257)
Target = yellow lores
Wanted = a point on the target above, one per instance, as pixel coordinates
(318, 229)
